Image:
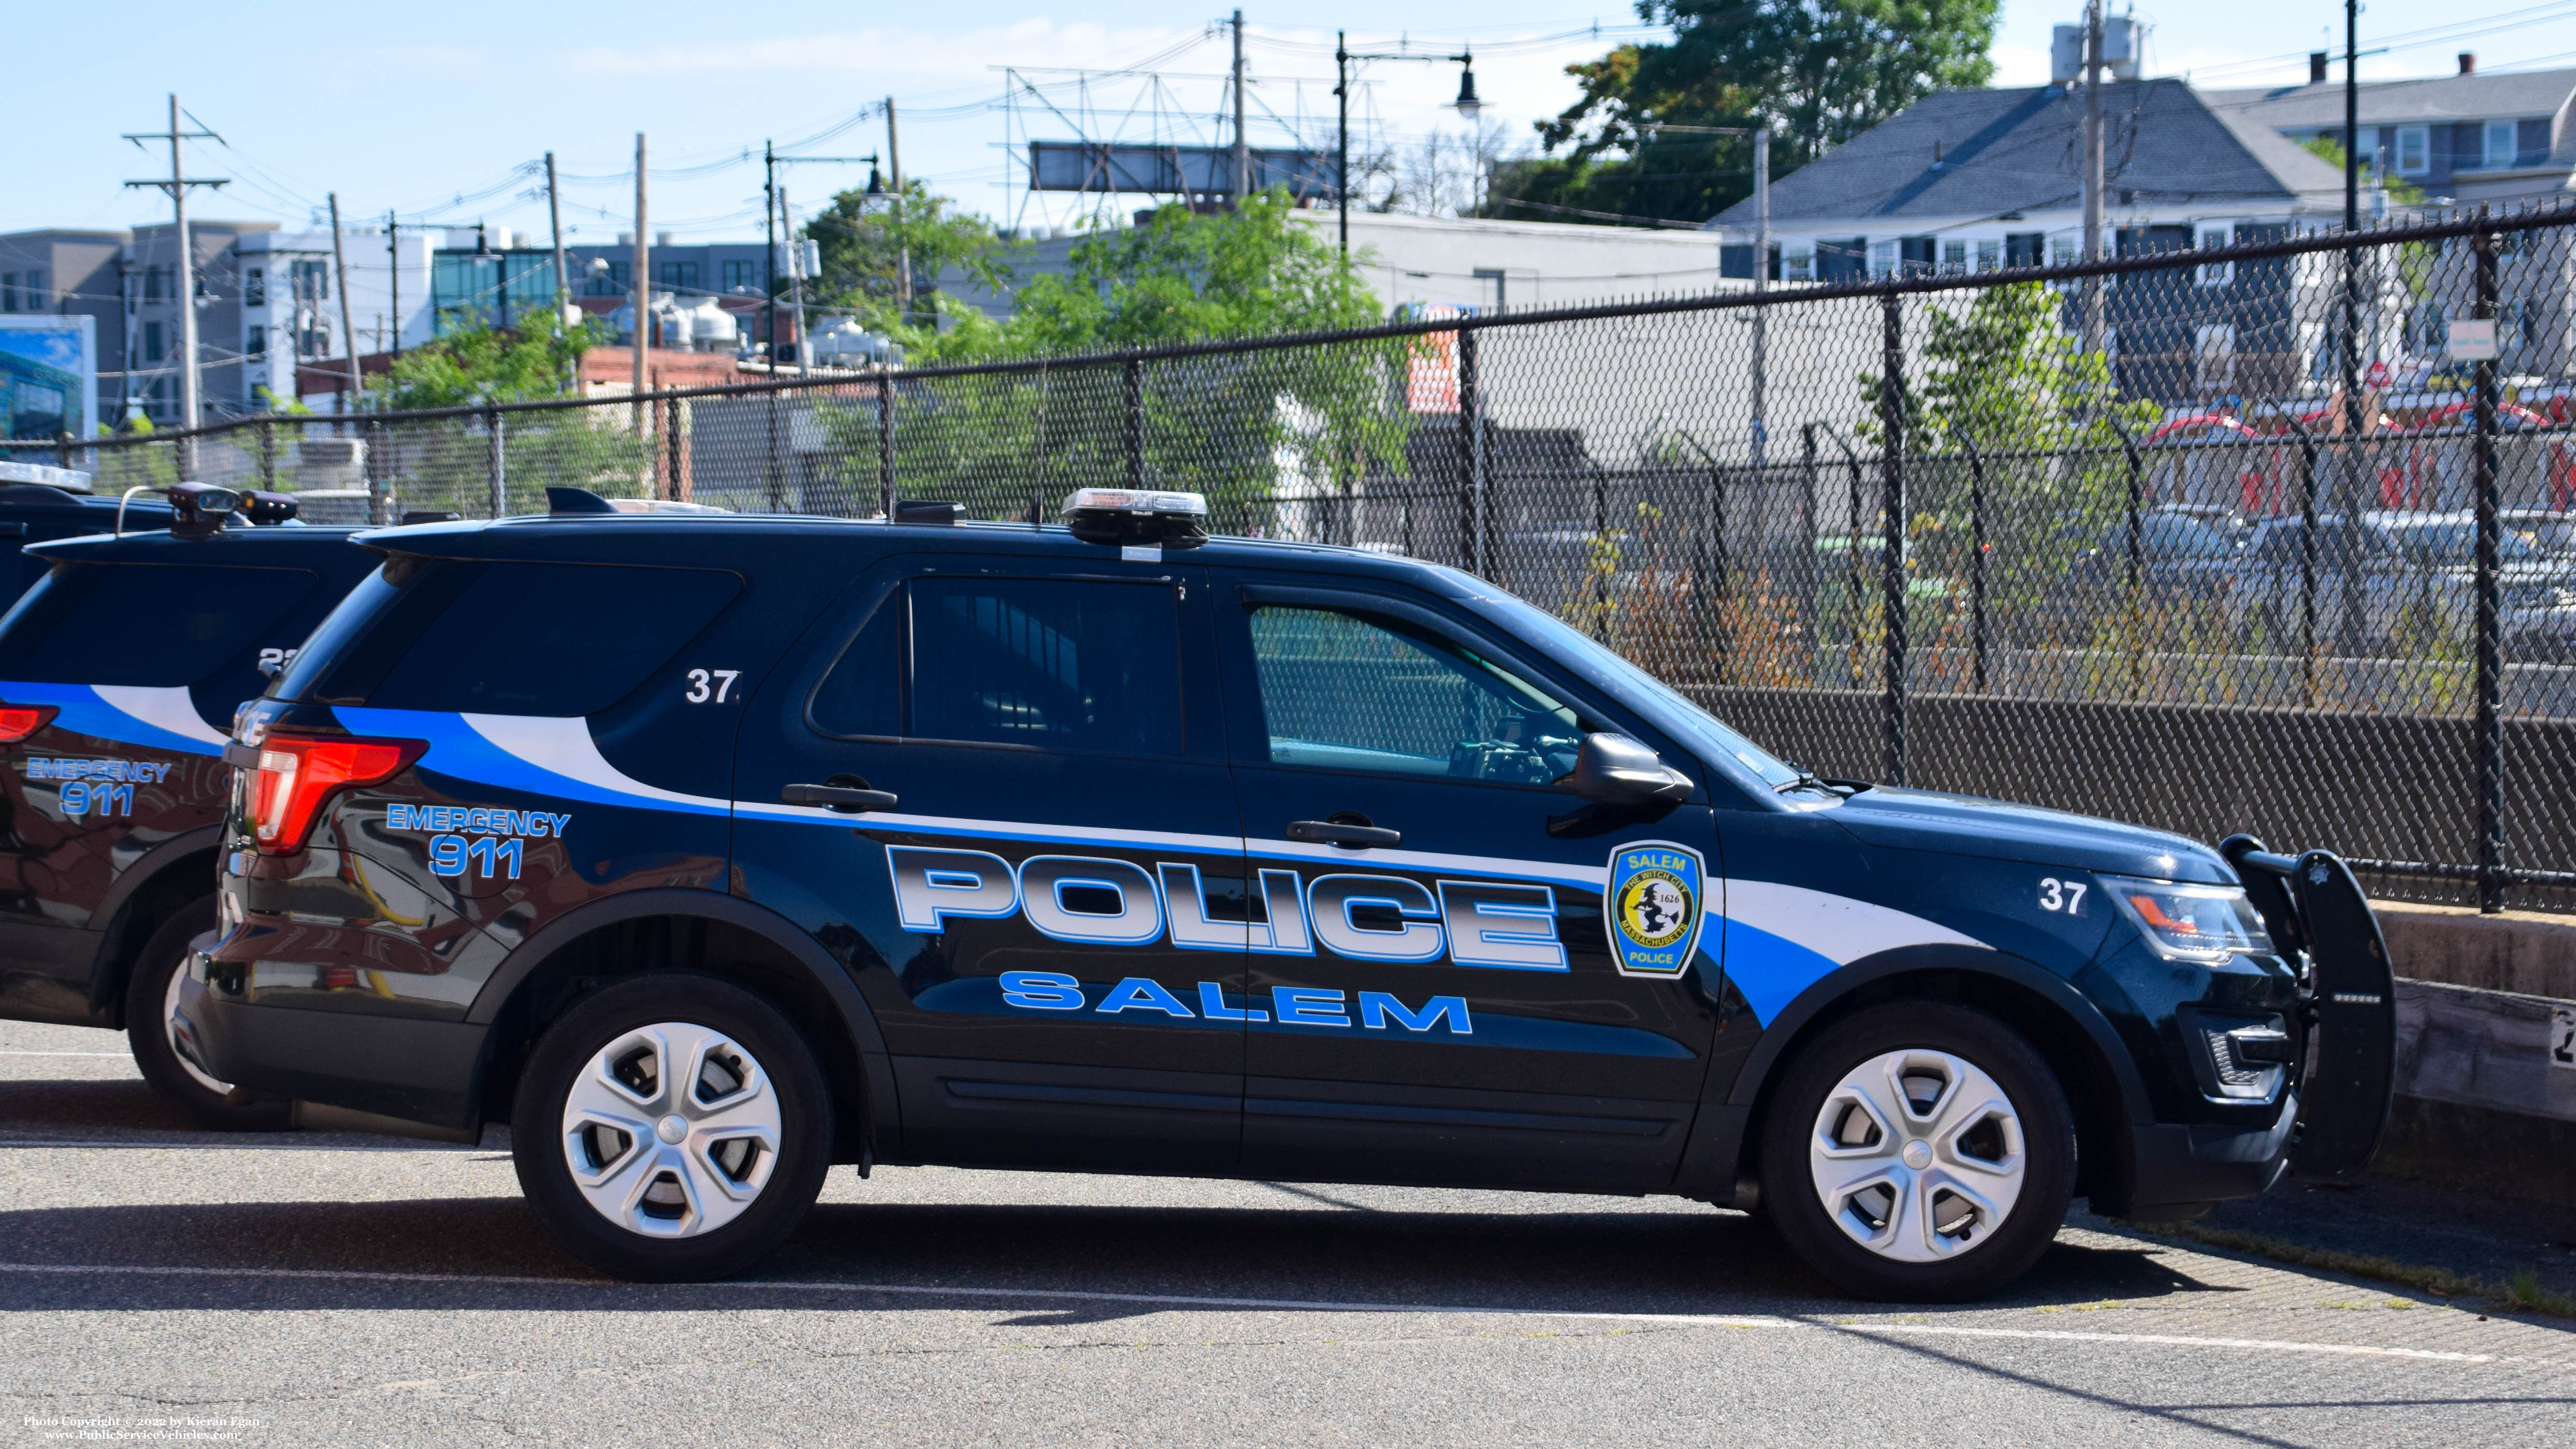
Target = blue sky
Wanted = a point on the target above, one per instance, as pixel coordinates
(414, 107)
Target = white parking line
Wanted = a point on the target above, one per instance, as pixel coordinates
(14, 1052)
(235, 1143)
(1293, 1305)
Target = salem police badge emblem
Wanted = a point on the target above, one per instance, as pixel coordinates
(1653, 907)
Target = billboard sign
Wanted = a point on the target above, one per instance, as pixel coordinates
(1140, 167)
(49, 376)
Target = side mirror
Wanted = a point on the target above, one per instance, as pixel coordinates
(1617, 770)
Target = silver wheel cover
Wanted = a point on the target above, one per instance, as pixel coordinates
(671, 1130)
(179, 1049)
(1917, 1156)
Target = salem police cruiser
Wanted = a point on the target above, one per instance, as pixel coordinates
(120, 671)
(707, 852)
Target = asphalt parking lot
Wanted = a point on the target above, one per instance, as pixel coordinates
(159, 1283)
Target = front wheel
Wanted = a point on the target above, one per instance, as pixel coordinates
(153, 1034)
(1919, 1151)
(671, 1129)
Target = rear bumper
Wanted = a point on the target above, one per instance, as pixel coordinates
(418, 1071)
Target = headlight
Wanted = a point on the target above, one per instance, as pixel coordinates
(2191, 922)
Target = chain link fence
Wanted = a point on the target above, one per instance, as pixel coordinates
(2277, 538)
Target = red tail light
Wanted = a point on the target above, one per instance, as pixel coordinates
(17, 721)
(298, 775)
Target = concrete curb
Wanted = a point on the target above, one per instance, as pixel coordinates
(2483, 1103)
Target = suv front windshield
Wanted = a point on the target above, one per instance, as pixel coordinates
(1667, 707)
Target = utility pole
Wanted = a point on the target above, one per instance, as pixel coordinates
(903, 244)
(795, 279)
(769, 233)
(563, 273)
(643, 259)
(1342, 135)
(393, 270)
(554, 217)
(348, 317)
(177, 185)
(2092, 171)
(1761, 285)
(1242, 148)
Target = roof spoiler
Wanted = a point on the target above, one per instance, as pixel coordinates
(565, 502)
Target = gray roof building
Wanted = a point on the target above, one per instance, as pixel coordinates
(2468, 136)
(1966, 156)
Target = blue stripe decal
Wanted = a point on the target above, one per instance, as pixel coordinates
(82, 712)
(1769, 971)
(982, 996)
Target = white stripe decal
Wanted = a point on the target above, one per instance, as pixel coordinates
(1838, 928)
(163, 709)
(563, 746)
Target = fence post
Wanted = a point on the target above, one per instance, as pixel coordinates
(498, 459)
(2490, 669)
(1471, 453)
(1135, 372)
(1976, 563)
(268, 454)
(1810, 568)
(885, 437)
(1720, 560)
(2307, 560)
(677, 487)
(379, 472)
(1891, 555)
(63, 449)
(2134, 565)
(777, 488)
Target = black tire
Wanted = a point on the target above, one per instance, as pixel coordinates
(779, 1191)
(1982, 1255)
(147, 1032)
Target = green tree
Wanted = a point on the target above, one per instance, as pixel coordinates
(1816, 72)
(865, 241)
(1243, 428)
(537, 359)
(2006, 380)
(445, 463)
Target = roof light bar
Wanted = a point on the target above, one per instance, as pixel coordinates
(1137, 515)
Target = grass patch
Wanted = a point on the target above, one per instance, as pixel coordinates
(2521, 1293)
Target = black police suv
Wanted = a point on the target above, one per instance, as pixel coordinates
(707, 852)
(120, 671)
(61, 507)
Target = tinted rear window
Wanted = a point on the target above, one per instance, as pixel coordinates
(150, 625)
(507, 638)
(1059, 664)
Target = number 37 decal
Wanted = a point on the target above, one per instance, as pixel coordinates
(2064, 896)
(710, 685)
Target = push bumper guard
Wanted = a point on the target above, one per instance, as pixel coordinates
(2320, 919)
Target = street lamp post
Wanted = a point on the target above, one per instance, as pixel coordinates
(1468, 105)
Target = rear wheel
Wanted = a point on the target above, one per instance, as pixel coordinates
(1919, 1151)
(672, 1129)
(152, 1032)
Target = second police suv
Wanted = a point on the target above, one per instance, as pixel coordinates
(141, 626)
(708, 852)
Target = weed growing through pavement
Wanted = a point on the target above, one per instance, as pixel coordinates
(2521, 1293)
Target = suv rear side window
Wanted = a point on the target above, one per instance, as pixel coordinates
(1061, 664)
(508, 638)
(145, 625)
